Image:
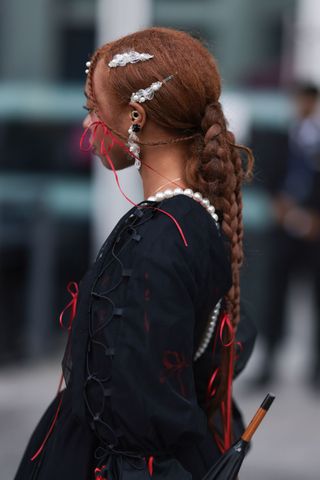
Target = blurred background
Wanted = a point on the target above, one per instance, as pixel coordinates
(57, 204)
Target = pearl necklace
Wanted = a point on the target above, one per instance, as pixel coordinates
(190, 193)
(210, 208)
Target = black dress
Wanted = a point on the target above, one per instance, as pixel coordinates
(133, 393)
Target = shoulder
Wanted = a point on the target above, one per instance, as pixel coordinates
(198, 226)
(206, 248)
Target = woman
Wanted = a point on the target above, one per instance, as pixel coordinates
(152, 352)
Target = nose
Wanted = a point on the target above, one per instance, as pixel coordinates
(86, 122)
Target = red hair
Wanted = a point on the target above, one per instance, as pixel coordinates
(188, 108)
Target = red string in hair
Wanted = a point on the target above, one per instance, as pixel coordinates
(226, 322)
(211, 391)
(226, 404)
(240, 345)
(106, 153)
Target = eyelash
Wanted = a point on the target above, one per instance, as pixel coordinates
(87, 108)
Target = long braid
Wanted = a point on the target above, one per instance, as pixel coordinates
(216, 169)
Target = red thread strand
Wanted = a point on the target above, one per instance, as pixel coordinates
(240, 344)
(49, 431)
(72, 304)
(224, 443)
(174, 362)
(226, 322)
(227, 409)
(98, 473)
(150, 465)
(105, 152)
(73, 289)
(212, 379)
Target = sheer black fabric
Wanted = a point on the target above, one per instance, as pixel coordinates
(133, 390)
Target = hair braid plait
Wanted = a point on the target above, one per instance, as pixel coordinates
(93, 63)
(220, 172)
(216, 169)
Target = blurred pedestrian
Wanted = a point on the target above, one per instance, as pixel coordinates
(296, 235)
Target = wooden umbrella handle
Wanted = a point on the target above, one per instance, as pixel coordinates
(257, 419)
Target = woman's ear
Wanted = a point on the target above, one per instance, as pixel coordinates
(137, 114)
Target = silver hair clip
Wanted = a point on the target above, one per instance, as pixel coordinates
(148, 93)
(88, 66)
(121, 59)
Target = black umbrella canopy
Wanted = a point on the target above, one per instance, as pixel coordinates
(229, 464)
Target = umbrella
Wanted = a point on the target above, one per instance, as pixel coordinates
(229, 464)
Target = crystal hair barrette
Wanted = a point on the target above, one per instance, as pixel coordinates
(148, 93)
(122, 59)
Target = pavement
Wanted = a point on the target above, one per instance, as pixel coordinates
(285, 447)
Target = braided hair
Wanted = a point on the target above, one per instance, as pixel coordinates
(216, 169)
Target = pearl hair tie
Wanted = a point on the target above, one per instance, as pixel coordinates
(210, 209)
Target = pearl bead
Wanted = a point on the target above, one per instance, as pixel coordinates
(87, 71)
(160, 195)
(177, 191)
(197, 196)
(205, 202)
(152, 198)
(135, 98)
(88, 64)
(168, 192)
(211, 209)
(188, 192)
(142, 99)
(215, 217)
